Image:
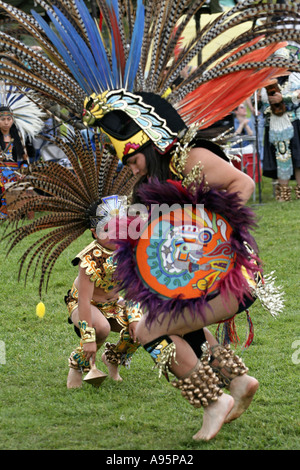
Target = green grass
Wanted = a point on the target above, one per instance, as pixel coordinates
(144, 412)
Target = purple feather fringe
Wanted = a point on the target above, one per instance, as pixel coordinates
(228, 205)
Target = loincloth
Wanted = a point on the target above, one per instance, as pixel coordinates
(123, 314)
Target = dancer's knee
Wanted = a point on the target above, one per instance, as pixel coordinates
(102, 330)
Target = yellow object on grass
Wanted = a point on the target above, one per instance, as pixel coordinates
(40, 309)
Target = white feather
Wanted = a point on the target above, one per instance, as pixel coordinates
(27, 115)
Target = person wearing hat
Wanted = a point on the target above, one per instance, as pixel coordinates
(163, 152)
(95, 308)
(210, 263)
(20, 120)
(11, 145)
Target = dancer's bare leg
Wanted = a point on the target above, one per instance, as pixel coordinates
(74, 379)
(113, 370)
(215, 413)
(75, 376)
(241, 388)
(215, 312)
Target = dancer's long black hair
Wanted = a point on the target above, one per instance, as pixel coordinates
(158, 164)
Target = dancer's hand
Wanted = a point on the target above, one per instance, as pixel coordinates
(132, 329)
(90, 350)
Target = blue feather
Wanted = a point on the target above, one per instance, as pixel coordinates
(89, 63)
(79, 50)
(115, 68)
(133, 60)
(118, 79)
(62, 51)
(12, 93)
(96, 44)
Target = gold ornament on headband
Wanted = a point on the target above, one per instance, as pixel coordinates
(111, 206)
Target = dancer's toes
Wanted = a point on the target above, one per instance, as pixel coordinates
(213, 418)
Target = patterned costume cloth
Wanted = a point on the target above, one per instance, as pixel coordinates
(26, 123)
(124, 85)
(7, 175)
(99, 266)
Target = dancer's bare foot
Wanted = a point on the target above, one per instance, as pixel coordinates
(74, 379)
(112, 369)
(214, 417)
(242, 389)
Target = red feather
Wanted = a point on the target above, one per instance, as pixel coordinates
(216, 98)
(119, 50)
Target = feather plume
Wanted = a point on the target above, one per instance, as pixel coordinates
(152, 31)
(27, 114)
(62, 203)
(132, 50)
(133, 60)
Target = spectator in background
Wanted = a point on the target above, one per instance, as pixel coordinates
(11, 145)
(260, 130)
(243, 127)
(282, 136)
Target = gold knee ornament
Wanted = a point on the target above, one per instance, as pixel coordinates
(111, 354)
(78, 361)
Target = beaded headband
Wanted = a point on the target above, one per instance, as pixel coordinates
(6, 113)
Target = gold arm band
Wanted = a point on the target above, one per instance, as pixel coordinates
(88, 334)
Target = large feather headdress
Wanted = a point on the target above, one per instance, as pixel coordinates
(139, 48)
(65, 201)
(24, 108)
(107, 65)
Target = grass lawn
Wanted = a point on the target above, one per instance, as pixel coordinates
(144, 412)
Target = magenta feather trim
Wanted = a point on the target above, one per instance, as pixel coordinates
(240, 218)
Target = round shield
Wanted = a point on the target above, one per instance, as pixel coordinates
(185, 252)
